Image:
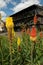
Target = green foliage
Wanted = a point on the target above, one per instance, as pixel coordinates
(22, 57)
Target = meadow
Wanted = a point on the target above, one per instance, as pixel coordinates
(26, 52)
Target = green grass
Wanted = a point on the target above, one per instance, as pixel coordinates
(22, 57)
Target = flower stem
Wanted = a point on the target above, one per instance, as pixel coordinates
(10, 43)
(32, 49)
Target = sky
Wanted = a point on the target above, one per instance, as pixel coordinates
(9, 7)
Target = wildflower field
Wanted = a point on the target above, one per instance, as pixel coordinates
(22, 51)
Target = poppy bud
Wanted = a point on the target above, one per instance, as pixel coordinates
(35, 19)
(28, 31)
(41, 34)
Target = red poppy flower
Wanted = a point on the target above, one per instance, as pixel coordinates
(33, 34)
(35, 19)
(33, 31)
